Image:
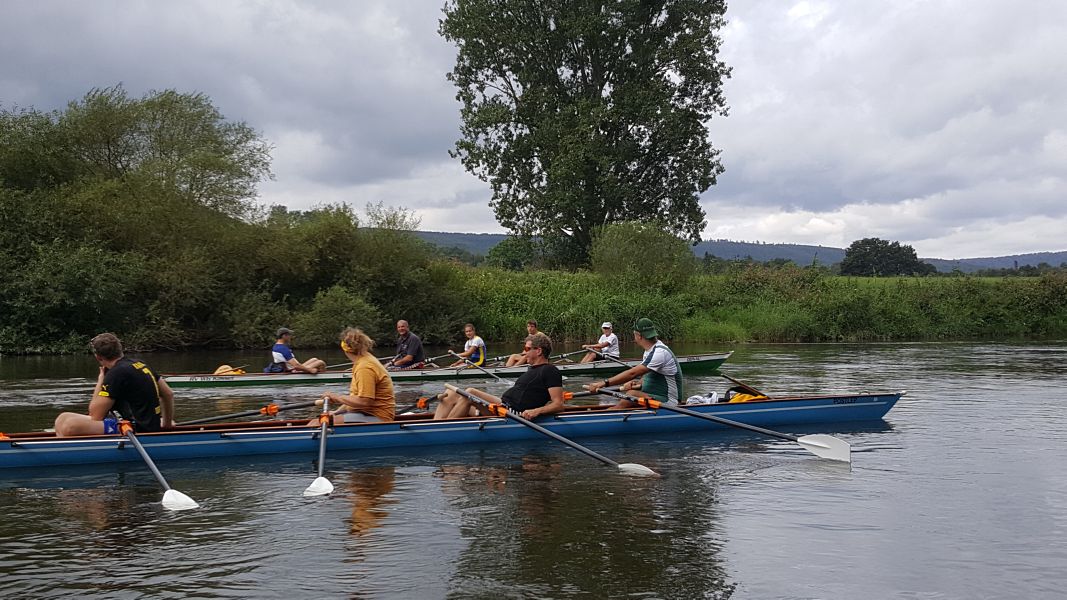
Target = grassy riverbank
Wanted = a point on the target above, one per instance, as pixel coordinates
(777, 305)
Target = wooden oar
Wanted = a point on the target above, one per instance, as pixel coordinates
(740, 384)
(172, 498)
(479, 367)
(825, 446)
(322, 486)
(502, 411)
(570, 395)
(269, 410)
(566, 354)
(606, 357)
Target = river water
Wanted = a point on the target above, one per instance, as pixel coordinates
(961, 492)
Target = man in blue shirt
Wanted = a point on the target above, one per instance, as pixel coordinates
(283, 361)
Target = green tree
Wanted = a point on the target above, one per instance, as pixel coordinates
(514, 253)
(585, 113)
(640, 256)
(876, 257)
(179, 140)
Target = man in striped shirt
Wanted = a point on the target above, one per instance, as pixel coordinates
(659, 373)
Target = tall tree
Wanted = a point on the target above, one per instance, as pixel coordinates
(877, 257)
(581, 113)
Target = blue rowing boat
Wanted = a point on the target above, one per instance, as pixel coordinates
(295, 437)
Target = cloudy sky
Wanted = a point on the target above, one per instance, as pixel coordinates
(940, 124)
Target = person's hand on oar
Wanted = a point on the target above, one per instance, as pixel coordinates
(503, 411)
(825, 446)
(172, 498)
(476, 366)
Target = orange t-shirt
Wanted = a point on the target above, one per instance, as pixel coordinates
(371, 380)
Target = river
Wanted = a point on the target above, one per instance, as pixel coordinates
(961, 492)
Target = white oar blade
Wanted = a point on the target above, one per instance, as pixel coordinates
(320, 487)
(637, 470)
(827, 446)
(175, 500)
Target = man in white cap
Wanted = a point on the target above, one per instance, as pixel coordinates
(608, 345)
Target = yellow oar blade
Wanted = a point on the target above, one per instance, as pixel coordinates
(827, 446)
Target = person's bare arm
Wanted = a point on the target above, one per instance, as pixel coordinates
(554, 405)
(100, 405)
(166, 403)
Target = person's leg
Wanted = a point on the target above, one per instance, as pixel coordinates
(75, 424)
(315, 364)
(589, 357)
(445, 403)
(513, 360)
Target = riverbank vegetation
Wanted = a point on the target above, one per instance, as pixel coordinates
(136, 215)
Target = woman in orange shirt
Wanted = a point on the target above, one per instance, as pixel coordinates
(370, 396)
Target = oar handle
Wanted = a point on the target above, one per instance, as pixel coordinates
(479, 367)
(606, 357)
(741, 384)
(269, 409)
(570, 395)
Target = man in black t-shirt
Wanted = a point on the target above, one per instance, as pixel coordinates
(409, 353)
(538, 391)
(124, 386)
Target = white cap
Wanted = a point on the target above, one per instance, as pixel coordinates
(605, 324)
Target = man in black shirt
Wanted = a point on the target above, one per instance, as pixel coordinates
(538, 391)
(409, 353)
(124, 386)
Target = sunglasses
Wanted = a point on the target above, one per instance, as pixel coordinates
(527, 348)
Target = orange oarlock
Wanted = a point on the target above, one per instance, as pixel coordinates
(325, 418)
(3, 437)
(270, 409)
(422, 403)
(125, 427)
(646, 402)
(498, 409)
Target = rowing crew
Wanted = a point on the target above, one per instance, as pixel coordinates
(137, 394)
(539, 391)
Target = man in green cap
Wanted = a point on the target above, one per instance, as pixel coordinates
(660, 375)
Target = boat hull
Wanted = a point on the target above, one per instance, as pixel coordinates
(288, 437)
(691, 365)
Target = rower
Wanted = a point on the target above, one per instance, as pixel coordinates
(520, 358)
(473, 354)
(283, 360)
(409, 353)
(538, 391)
(661, 377)
(370, 395)
(608, 344)
(123, 385)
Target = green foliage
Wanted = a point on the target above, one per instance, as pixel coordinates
(254, 317)
(581, 114)
(332, 310)
(514, 253)
(642, 257)
(875, 257)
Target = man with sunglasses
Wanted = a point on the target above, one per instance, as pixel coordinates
(125, 386)
(538, 391)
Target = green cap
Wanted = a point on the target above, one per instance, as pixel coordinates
(646, 328)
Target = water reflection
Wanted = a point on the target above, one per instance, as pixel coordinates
(535, 532)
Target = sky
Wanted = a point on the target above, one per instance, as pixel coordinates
(939, 124)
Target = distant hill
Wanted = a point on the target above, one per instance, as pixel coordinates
(481, 243)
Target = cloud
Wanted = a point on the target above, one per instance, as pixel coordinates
(940, 125)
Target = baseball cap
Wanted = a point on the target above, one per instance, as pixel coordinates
(646, 328)
(283, 331)
(605, 325)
